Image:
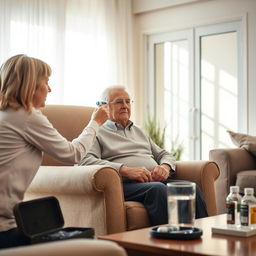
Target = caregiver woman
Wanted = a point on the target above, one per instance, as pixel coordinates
(25, 133)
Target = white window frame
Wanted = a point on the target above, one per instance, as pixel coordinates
(193, 36)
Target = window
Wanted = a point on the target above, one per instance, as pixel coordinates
(219, 91)
(194, 86)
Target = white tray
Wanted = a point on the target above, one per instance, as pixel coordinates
(234, 231)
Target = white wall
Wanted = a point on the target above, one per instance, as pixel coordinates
(190, 15)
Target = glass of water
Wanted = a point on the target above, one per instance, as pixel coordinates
(181, 203)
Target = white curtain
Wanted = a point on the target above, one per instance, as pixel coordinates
(88, 43)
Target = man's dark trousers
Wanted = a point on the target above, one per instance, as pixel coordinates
(153, 195)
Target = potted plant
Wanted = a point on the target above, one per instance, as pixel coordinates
(157, 134)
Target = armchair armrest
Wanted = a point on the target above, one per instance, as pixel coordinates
(74, 247)
(89, 196)
(204, 174)
(230, 161)
(109, 182)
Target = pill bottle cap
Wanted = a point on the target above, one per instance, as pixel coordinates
(249, 191)
(234, 189)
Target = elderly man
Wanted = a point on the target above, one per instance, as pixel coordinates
(144, 166)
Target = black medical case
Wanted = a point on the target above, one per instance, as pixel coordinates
(41, 220)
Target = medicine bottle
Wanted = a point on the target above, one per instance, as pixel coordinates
(233, 202)
(248, 209)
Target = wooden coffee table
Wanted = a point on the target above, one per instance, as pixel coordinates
(139, 243)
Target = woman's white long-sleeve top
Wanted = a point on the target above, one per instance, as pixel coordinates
(23, 138)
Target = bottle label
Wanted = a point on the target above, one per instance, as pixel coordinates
(244, 214)
(230, 212)
(238, 207)
(252, 214)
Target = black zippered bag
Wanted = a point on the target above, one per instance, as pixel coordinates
(41, 220)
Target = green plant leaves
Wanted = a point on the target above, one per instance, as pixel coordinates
(157, 134)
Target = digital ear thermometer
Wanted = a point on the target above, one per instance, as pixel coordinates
(99, 103)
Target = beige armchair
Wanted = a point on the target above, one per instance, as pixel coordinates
(92, 196)
(237, 167)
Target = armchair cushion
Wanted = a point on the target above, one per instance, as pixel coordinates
(136, 215)
(245, 141)
(246, 179)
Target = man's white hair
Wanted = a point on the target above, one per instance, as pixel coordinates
(106, 92)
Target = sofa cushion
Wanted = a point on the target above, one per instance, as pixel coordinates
(246, 179)
(245, 141)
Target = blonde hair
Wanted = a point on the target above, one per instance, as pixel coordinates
(19, 78)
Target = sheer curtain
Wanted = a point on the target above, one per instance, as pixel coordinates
(88, 43)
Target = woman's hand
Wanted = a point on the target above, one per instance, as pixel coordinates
(101, 114)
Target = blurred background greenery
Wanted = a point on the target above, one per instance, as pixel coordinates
(157, 134)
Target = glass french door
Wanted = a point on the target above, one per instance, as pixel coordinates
(195, 87)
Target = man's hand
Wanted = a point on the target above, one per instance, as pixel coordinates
(140, 174)
(160, 172)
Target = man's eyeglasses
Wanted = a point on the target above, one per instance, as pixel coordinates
(120, 102)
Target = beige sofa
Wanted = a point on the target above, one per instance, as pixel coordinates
(237, 167)
(92, 196)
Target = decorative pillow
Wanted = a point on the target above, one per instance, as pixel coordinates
(245, 141)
